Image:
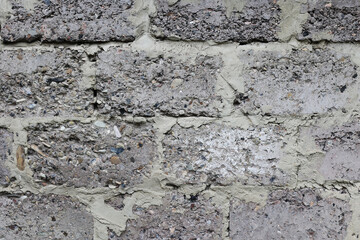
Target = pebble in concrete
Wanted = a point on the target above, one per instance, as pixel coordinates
(88, 155)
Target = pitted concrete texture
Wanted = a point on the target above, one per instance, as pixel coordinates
(116, 202)
(179, 217)
(224, 155)
(29, 216)
(43, 83)
(215, 20)
(290, 214)
(132, 82)
(70, 21)
(300, 82)
(6, 139)
(341, 146)
(95, 154)
(334, 20)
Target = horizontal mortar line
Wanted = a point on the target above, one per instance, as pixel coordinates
(208, 43)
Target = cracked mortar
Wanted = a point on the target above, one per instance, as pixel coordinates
(150, 128)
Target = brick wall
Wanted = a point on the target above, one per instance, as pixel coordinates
(178, 119)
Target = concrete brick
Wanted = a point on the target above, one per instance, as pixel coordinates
(300, 82)
(6, 139)
(217, 20)
(91, 154)
(70, 21)
(179, 217)
(334, 20)
(132, 82)
(290, 214)
(341, 146)
(28, 216)
(43, 83)
(221, 154)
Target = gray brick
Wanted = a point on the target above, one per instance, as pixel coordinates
(42, 83)
(341, 146)
(6, 139)
(71, 21)
(28, 216)
(215, 20)
(290, 214)
(334, 20)
(179, 217)
(132, 82)
(91, 154)
(300, 82)
(221, 154)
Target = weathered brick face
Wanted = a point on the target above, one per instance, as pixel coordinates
(301, 82)
(213, 20)
(6, 139)
(29, 216)
(132, 82)
(70, 21)
(290, 214)
(43, 83)
(334, 20)
(341, 146)
(96, 154)
(221, 154)
(179, 217)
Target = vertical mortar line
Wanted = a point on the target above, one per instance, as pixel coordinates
(292, 19)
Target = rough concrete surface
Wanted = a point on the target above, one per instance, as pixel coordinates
(132, 82)
(30, 216)
(70, 21)
(243, 22)
(220, 154)
(304, 81)
(290, 214)
(333, 20)
(43, 83)
(179, 217)
(6, 139)
(341, 147)
(113, 153)
(179, 119)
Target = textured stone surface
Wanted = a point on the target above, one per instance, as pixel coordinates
(221, 154)
(42, 83)
(179, 217)
(90, 154)
(116, 202)
(290, 214)
(6, 139)
(214, 20)
(302, 82)
(70, 21)
(341, 146)
(334, 20)
(28, 216)
(131, 82)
